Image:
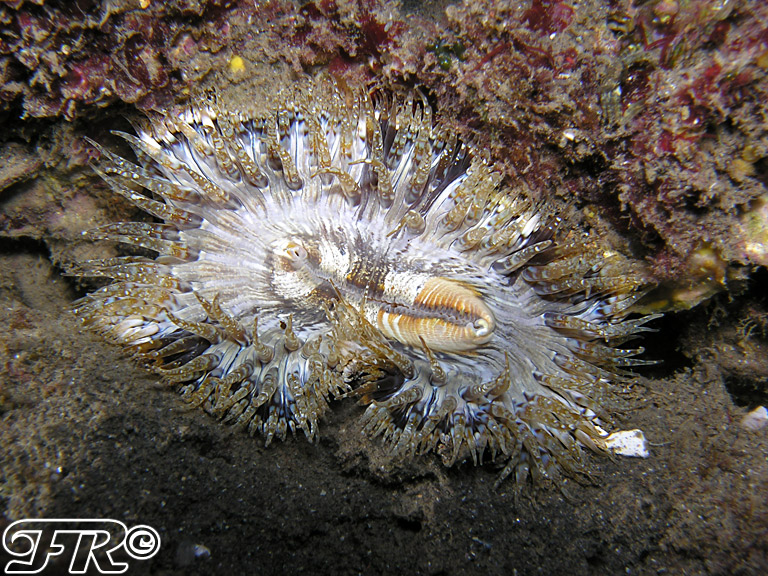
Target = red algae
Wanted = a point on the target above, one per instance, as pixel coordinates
(640, 111)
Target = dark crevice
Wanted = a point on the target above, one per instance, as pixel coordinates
(23, 245)
(665, 346)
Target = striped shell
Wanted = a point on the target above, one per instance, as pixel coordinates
(344, 244)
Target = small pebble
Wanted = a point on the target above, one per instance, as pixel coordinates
(755, 420)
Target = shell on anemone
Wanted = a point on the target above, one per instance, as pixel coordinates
(344, 244)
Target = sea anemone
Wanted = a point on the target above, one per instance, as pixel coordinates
(345, 244)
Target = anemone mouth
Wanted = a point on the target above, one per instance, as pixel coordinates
(444, 316)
